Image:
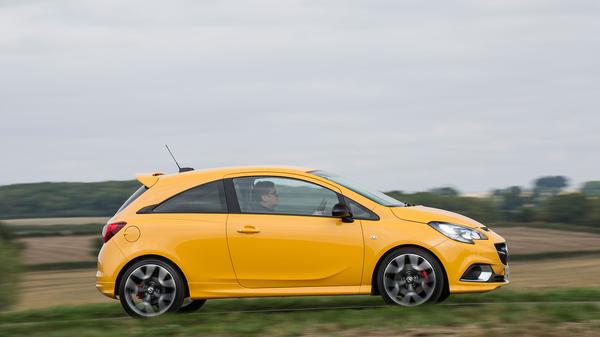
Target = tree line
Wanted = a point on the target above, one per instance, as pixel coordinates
(545, 201)
(39, 200)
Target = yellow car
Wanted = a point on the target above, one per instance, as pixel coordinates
(279, 231)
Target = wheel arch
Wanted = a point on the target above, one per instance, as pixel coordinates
(151, 256)
(375, 287)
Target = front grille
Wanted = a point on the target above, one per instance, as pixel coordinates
(502, 252)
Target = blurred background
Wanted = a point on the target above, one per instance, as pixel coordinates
(488, 109)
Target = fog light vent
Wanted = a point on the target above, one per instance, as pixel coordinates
(478, 273)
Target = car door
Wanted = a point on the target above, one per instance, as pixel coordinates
(296, 243)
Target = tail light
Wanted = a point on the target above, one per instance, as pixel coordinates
(109, 230)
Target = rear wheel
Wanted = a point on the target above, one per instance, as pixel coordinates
(190, 305)
(410, 277)
(150, 288)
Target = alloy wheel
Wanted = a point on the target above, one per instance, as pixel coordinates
(150, 290)
(409, 279)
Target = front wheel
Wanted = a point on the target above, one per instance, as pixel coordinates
(150, 288)
(410, 277)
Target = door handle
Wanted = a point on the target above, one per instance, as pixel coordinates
(248, 230)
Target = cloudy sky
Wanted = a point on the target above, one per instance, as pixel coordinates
(396, 94)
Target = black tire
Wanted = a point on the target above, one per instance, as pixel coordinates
(191, 306)
(174, 288)
(422, 288)
(445, 294)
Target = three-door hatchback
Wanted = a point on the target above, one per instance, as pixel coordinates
(272, 231)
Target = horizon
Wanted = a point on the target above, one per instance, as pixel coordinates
(570, 188)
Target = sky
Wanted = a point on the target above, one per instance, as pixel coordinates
(398, 95)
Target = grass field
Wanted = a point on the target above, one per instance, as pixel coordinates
(571, 259)
(45, 288)
(505, 312)
(56, 249)
(22, 231)
(48, 288)
(554, 292)
(525, 240)
(547, 225)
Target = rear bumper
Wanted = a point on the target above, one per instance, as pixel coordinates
(109, 260)
(106, 288)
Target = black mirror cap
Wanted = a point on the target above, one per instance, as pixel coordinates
(341, 210)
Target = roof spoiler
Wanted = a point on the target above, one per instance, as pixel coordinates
(148, 179)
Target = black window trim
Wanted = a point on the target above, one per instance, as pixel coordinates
(372, 215)
(231, 197)
(150, 209)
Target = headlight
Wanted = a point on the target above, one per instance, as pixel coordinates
(458, 233)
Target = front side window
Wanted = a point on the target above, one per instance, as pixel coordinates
(277, 195)
(207, 198)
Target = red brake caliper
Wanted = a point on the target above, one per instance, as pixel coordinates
(139, 294)
(423, 274)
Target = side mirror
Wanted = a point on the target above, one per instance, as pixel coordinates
(342, 211)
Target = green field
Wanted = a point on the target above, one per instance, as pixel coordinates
(23, 231)
(540, 313)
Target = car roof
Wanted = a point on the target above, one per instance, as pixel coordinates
(149, 179)
(237, 169)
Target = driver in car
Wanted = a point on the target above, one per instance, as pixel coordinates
(265, 197)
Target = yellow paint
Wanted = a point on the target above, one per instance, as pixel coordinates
(148, 179)
(284, 254)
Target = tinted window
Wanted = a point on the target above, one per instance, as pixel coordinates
(359, 211)
(207, 198)
(283, 196)
(132, 198)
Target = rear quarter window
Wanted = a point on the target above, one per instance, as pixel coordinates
(133, 197)
(206, 198)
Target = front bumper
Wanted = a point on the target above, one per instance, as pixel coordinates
(458, 257)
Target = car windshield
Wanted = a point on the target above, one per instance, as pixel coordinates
(376, 196)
